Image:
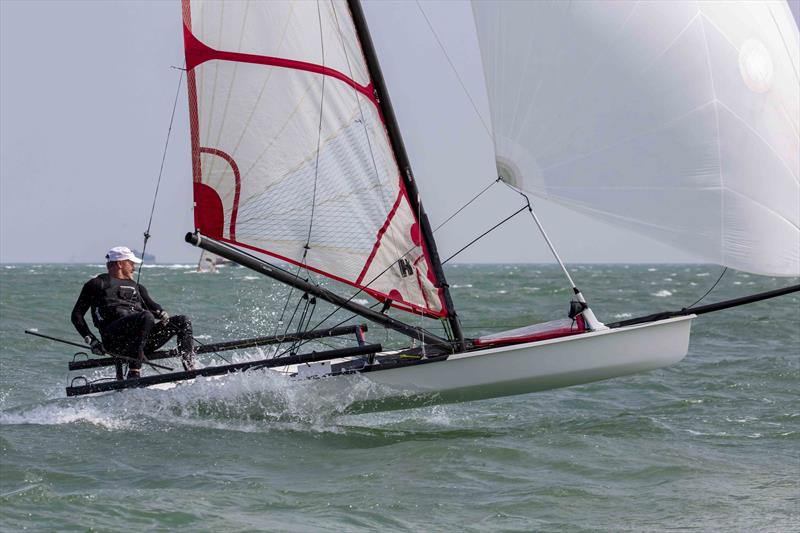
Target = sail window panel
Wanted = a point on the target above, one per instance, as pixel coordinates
(281, 29)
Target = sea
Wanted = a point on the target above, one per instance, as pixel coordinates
(709, 444)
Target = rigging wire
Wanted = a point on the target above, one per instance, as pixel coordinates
(448, 219)
(485, 233)
(724, 270)
(319, 138)
(160, 172)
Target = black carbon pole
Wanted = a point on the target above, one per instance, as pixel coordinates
(396, 139)
(710, 308)
(172, 377)
(240, 344)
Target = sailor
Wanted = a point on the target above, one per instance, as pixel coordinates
(131, 324)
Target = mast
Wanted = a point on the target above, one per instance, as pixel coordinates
(406, 174)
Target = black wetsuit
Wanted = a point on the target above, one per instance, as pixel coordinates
(124, 313)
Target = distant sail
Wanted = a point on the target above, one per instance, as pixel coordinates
(290, 154)
(676, 119)
(209, 262)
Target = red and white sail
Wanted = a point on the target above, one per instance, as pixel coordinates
(291, 157)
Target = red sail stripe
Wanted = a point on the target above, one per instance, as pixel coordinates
(191, 83)
(381, 232)
(198, 53)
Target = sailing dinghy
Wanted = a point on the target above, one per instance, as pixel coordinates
(676, 120)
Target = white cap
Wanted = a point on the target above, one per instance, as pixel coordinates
(121, 253)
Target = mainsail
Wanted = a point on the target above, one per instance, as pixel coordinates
(676, 119)
(291, 156)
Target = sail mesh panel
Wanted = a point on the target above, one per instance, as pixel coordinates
(291, 144)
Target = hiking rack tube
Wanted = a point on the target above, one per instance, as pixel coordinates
(266, 269)
(172, 377)
(230, 345)
(703, 309)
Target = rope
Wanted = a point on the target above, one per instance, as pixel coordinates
(160, 173)
(709, 290)
(319, 138)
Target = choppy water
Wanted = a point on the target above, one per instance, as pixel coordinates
(710, 444)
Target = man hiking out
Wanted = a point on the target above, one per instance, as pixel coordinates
(131, 324)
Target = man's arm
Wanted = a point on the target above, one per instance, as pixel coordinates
(81, 306)
(149, 304)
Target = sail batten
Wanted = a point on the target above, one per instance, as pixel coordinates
(678, 120)
(291, 156)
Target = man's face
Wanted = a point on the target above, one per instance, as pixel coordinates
(126, 269)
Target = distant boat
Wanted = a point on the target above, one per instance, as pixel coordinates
(149, 258)
(209, 262)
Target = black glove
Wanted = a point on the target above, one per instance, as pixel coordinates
(95, 345)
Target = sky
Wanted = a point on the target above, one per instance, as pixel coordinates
(86, 93)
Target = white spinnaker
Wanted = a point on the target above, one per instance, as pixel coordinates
(284, 116)
(676, 119)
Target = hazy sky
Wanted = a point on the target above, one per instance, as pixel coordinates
(87, 90)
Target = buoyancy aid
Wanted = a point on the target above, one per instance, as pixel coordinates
(118, 298)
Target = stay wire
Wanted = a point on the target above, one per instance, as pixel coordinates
(448, 219)
(485, 233)
(724, 270)
(160, 173)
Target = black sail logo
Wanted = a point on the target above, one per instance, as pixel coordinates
(405, 267)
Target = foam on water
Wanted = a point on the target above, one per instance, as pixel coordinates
(244, 401)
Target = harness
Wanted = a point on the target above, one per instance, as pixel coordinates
(117, 300)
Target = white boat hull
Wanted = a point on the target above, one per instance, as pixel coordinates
(531, 367)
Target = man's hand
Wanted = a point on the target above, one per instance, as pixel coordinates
(163, 317)
(95, 345)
